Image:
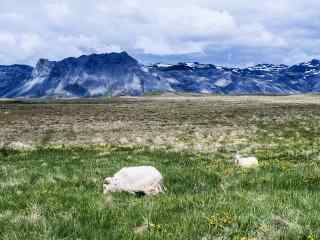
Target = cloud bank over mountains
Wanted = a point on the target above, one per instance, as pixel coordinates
(222, 32)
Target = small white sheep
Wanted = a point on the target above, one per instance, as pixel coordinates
(144, 180)
(20, 146)
(246, 162)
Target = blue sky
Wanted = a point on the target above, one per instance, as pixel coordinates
(229, 32)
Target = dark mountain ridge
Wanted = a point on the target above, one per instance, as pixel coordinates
(120, 74)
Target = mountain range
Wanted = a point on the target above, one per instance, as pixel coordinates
(118, 74)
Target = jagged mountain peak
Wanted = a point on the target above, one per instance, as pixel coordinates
(87, 75)
(107, 58)
(315, 62)
(42, 61)
(43, 67)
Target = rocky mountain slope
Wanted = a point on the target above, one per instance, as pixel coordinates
(120, 74)
(12, 77)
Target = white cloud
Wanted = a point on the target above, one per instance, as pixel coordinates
(255, 35)
(57, 29)
(162, 46)
(57, 11)
(7, 40)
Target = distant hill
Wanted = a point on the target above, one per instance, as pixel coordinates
(118, 74)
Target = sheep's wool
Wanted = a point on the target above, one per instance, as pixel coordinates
(137, 180)
(246, 162)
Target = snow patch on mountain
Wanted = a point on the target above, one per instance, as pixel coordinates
(135, 84)
(223, 82)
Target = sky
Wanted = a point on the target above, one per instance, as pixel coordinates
(228, 32)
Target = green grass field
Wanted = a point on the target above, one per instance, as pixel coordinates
(55, 192)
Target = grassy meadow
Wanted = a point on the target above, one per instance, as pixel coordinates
(54, 191)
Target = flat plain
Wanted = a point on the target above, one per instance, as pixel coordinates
(54, 189)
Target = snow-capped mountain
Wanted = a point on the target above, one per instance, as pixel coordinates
(120, 74)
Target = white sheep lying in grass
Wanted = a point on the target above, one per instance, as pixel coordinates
(20, 146)
(246, 162)
(144, 180)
